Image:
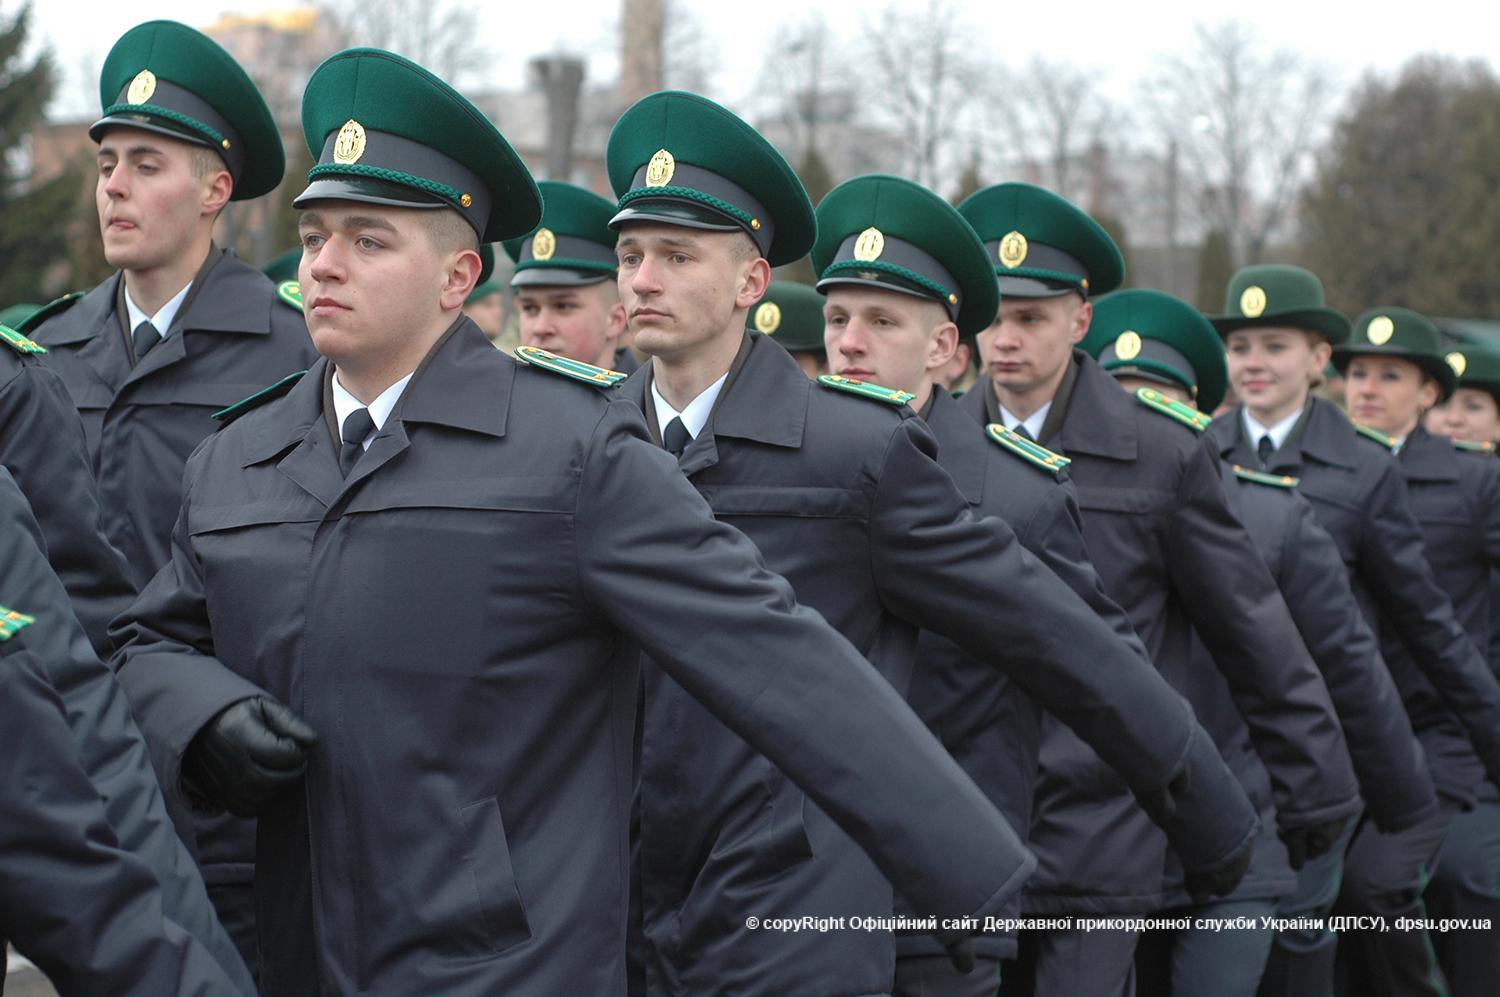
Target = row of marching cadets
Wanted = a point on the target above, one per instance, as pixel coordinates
(539, 677)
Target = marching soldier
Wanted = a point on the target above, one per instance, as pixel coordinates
(1159, 531)
(792, 315)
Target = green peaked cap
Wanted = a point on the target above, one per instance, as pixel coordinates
(1390, 331)
(574, 245)
(1477, 367)
(791, 314)
(386, 131)
(1156, 336)
(1277, 294)
(1042, 245)
(164, 77)
(886, 232)
(681, 159)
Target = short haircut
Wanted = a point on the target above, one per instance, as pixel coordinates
(743, 248)
(204, 161)
(448, 230)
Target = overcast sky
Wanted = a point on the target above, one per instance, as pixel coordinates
(1117, 39)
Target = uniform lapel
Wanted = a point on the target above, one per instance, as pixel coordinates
(1096, 417)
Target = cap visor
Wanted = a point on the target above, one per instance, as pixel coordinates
(558, 277)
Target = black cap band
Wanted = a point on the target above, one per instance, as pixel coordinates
(709, 198)
(180, 113)
(1153, 359)
(1044, 271)
(899, 266)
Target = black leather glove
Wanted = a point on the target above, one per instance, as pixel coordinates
(1204, 886)
(1161, 804)
(1303, 843)
(961, 952)
(247, 755)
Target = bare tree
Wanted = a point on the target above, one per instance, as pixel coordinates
(438, 35)
(691, 60)
(1244, 122)
(1056, 119)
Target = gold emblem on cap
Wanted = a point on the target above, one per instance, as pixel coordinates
(1013, 249)
(1252, 301)
(1128, 345)
(869, 245)
(141, 88)
(543, 244)
(350, 144)
(768, 317)
(1458, 362)
(1380, 330)
(659, 171)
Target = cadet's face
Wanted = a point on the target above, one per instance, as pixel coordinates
(1387, 394)
(680, 287)
(576, 322)
(1272, 369)
(371, 278)
(1031, 340)
(148, 198)
(1471, 414)
(883, 337)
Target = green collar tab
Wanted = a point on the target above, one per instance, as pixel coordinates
(239, 408)
(18, 342)
(1474, 446)
(576, 369)
(1389, 442)
(1185, 414)
(891, 396)
(290, 292)
(1028, 450)
(1262, 478)
(11, 622)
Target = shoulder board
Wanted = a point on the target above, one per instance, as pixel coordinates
(11, 622)
(1262, 478)
(290, 293)
(576, 369)
(51, 308)
(1028, 450)
(1474, 446)
(891, 396)
(1170, 407)
(258, 399)
(1376, 435)
(18, 342)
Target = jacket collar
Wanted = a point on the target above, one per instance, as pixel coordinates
(1322, 434)
(1098, 418)
(1425, 457)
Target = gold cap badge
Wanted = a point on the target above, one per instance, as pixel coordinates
(1128, 345)
(543, 244)
(1380, 330)
(768, 317)
(1013, 249)
(869, 245)
(141, 88)
(350, 144)
(1458, 362)
(1252, 301)
(659, 171)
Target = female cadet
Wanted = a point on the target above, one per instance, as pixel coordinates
(1472, 415)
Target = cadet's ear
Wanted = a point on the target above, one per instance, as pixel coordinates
(460, 276)
(753, 284)
(216, 192)
(1081, 320)
(941, 345)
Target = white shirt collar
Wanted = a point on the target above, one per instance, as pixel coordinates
(1033, 422)
(695, 415)
(380, 409)
(1278, 433)
(164, 316)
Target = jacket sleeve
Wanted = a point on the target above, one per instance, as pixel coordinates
(1392, 551)
(43, 447)
(697, 596)
(1392, 772)
(88, 913)
(1242, 620)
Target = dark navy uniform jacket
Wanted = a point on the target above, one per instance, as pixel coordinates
(1362, 500)
(844, 498)
(462, 621)
(106, 743)
(42, 445)
(86, 912)
(1160, 533)
(989, 724)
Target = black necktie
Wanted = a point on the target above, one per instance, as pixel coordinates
(143, 338)
(1023, 432)
(1264, 449)
(357, 426)
(675, 437)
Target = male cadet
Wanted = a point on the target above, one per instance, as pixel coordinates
(889, 252)
(89, 861)
(836, 483)
(1169, 551)
(1153, 341)
(448, 561)
(565, 280)
(1279, 335)
(792, 315)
